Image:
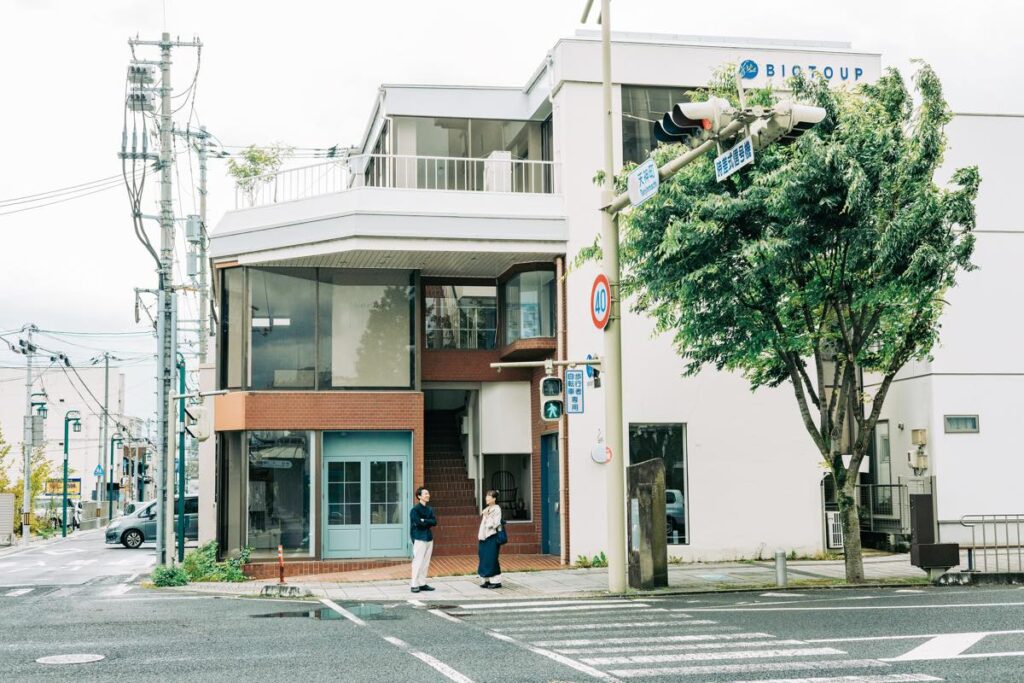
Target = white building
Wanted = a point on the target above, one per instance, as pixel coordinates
(362, 301)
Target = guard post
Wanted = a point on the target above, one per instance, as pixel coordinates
(648, 541)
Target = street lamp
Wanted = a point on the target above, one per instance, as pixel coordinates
(73, 418)
(110, 477)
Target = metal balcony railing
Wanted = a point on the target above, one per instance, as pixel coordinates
(496, 173)
(997, 542)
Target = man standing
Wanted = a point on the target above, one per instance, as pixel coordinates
(421, 519)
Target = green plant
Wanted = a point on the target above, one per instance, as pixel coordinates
(201, 565)
(599, 560)
(583, 562)
(164, 576)
(255, 164)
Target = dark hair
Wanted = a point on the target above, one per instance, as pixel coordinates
(420, 490)
(493, 494)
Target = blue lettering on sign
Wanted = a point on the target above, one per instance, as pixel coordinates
(600, 301)
(573, 391)
(750, 69)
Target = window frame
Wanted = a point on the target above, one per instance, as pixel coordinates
(460, 282)
(946, 429)
(503, 280)
(688, 536)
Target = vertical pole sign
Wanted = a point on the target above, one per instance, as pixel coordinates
(600, 302)
(573, 392)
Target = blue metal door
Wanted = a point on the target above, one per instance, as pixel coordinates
(550, 493)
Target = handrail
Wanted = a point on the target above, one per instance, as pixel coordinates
(496, 173)
(991, 525)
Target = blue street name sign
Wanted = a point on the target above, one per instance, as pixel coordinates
(573, 392)
(732, 160)
(643, 182)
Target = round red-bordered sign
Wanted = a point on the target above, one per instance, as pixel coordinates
(600, 301)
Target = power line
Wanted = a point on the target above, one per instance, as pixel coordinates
(103, 188)
(39, 196)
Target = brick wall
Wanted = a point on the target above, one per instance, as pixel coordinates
(454, 365)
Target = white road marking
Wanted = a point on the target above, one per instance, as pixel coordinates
(780, 595)
(750, 668)
(16, 592)
(578, 608)
(853, 607)
(884, 678)
(652, 639)
(713, 656)
(439, 666)
(119, 589)
(908, 590)
(554, 656)
(544, 603)
(417, 603)
(132, 578)
(611, 625)
(444, 615)
(343, 612)
(915, 637)
(948, 646)
(676, 647)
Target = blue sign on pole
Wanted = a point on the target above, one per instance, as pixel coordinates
(643, 182)
(732, 160)
(573, 391)
(98, 472)
(590, 368)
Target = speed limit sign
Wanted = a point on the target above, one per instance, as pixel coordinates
(600, 302)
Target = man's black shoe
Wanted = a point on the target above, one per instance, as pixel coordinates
(414, 589)
(425, 587)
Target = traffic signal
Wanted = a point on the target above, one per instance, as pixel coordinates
(552, 400)
(787, 123)
(694, 121)
(197, 422)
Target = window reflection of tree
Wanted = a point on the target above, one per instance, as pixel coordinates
(379, 342)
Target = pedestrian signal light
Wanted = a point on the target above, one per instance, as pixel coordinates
(197, 422)
(552, 401)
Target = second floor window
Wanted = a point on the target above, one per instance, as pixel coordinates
(460, 316)
(530, 306)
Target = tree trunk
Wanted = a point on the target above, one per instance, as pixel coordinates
(851, 533)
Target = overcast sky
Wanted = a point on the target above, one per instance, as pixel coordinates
(305, 73)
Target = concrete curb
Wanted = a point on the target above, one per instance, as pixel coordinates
(980, 579)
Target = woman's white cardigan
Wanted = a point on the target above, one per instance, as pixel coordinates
(490, 520)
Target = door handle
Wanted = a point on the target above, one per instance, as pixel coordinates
(557, 506)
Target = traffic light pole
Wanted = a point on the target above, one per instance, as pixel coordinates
(181, 459)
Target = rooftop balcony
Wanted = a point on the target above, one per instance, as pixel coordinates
(497, 173)
(440, 215)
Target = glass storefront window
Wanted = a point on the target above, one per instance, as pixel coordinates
(509, 475)
(460, 316)
(668, 442)
(530, 306)
(282, 352)
(279, 493)
(232, 327)
(642, 107)
(366, 332)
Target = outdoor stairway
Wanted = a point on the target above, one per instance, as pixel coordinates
(451, 491)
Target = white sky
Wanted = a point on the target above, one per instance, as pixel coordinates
(306, 73)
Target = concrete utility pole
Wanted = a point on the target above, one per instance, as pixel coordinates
(105, 422)
(27, 439)
(204, 294)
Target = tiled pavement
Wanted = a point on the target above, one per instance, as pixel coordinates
(542, 579)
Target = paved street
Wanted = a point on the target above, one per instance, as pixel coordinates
(80, 559)
(823, 636)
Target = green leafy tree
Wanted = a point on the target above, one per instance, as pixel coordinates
(254, 165)
(826, 259)
(5, 464)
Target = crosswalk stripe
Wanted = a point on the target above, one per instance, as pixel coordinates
(652, 639)
(884, 678)
(676, 647)
(16, 592)
(749, 668)
(541, 603)
(570, 608)
(712, 656)
(611, 625)
(568, 617)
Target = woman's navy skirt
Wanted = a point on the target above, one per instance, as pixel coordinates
(488, 550)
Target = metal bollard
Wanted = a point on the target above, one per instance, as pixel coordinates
(780, 569)
(280, 562)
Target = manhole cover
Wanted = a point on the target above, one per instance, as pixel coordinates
(70, 659)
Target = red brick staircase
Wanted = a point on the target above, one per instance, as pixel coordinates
(452, 496)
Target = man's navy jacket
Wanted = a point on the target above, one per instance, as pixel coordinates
(421, 518)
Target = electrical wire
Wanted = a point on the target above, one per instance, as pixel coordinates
(39, 196)
(61, 201)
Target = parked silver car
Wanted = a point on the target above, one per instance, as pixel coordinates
(134, 529)
(675, 514)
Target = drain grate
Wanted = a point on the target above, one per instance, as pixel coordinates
(70, 659)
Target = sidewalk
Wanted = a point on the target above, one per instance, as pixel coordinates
(568, 582)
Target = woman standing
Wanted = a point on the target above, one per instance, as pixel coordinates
(488, 548)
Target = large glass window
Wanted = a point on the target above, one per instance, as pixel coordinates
(282, 354)
(366, 331)
(668, 442)
(279, 500)
(509, 475)
(232, 327)
(530, 306)
(642, 107)
(460, 316)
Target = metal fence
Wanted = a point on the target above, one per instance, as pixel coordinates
(884, 508)
(497, 173)
(995, 543)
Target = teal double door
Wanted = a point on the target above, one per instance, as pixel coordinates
(367, 494)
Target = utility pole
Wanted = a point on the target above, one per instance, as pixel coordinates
(204, 313)
(166, 323)
(105, 419)
(27, 439)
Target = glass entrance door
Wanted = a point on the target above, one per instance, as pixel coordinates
(367, 494)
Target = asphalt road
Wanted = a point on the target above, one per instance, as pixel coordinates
(81, 558)
(822, 636)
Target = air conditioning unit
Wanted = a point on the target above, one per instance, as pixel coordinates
(833, 531)
(917, 459)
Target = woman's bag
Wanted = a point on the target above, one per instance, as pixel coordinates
(502, 536)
